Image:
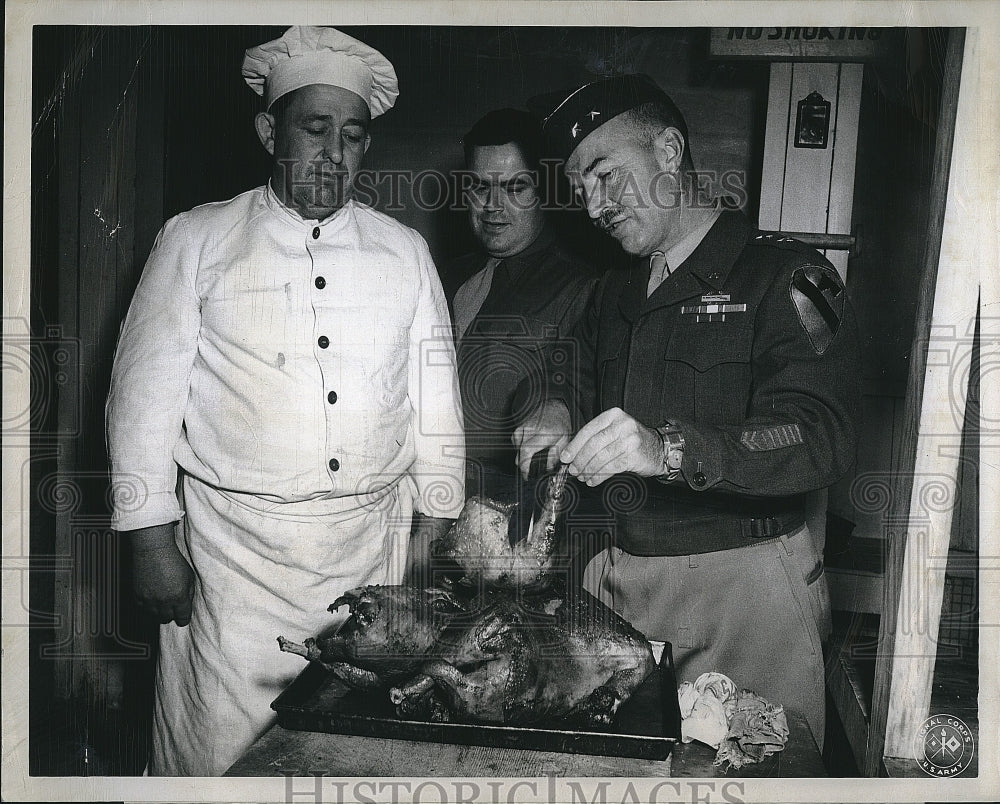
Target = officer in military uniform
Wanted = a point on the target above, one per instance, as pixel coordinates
(720, 378)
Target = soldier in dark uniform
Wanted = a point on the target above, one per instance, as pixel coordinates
(525, 292)
(720, 377)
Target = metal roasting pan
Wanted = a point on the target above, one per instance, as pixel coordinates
(647, 726)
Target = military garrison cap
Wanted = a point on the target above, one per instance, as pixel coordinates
(569, 115)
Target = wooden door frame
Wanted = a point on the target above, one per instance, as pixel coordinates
(917, 538)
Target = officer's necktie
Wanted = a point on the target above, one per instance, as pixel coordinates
(658, 271)
(500, 290)
(475, 346)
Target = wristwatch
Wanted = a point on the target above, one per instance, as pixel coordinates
(672, 440)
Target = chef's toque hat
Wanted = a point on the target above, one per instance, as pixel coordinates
(316, 55)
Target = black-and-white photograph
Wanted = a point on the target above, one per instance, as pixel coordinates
(413, 406)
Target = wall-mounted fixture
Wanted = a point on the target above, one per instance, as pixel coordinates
(812, 123)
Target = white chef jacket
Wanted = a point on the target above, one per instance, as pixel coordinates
(297, 371)
(287, 359)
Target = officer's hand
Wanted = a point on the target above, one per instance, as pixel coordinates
(549, 426)
(163, 579)
(610, 444)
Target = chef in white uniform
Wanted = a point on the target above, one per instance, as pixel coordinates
(289, 351)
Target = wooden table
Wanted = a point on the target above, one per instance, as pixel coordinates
(282, 752)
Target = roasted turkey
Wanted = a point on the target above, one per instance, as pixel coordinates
(479, 541)
(508, 643)
(389, 631)
(515, 662)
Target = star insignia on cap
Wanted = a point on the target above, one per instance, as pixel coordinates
(575, 130)
(593, 113)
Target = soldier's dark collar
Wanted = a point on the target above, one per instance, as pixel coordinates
(717, 253)
(518, 263)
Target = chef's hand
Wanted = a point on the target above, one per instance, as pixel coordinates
(418, 555)
(163, 579)
(549, 426)
(610, 444)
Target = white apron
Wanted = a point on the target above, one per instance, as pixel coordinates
(269, 569)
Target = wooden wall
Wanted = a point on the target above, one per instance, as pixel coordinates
(97, 176)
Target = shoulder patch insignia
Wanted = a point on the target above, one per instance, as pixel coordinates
(768, 438)
(818, 296)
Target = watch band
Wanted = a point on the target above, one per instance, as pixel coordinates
(672, 442)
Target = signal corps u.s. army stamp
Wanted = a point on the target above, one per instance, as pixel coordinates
(944, 746)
